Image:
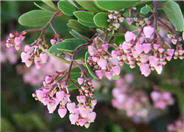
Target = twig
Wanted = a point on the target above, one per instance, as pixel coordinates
(55, 32)
(167, 26)
(49, 22)
(42, 29)
(73, 57)
(74, 83)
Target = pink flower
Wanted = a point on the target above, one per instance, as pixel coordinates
(129, 36)
(91, 116)
(99, 73)
(108, 75)
(53, 41)
(129, 20)
(81, 122)
(91, 50)
(105, 47)
(37, 62)
(71, 107)
(145, 69)
(60, 95)
(26, 58)
(18, 41)
(48, 79)
(155, 95)
(73, 118)
(148, 31)
(146, 47)
(116, 70)
(28, 49)
(80, 80)
(43, 57)
(102, 63)
(81, 99)
(51, 106)
(62, 112)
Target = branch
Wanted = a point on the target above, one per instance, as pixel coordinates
(73, 57)
(42, 29)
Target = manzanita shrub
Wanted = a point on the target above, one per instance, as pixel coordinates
(103, 36)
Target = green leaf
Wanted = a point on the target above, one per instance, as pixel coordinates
(67, 44)
(66, 7)
(173, 12)
(35, 18)
(88, 5)
(84, 16)
(91, 73)
(76, 34)
(86, 24)
(74, 24)
(118, 39)
(145, 10)
(44, 7)
(114, 5)
(60, 25)
(100, 19)
(74, 75)
(49, 3)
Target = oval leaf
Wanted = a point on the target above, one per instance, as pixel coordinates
(74, 24)
(100, 19)
(49, 3)
(35, 18)
(67, 44)
(66, 7)
(86, 24)
(173, 12)
(88, 5)
(114, 5)
(84, 16)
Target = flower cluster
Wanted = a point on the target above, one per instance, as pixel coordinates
(55, 93)
(177, 126)
(135, 104)
(8, 54)
(82, 114)
(102, 63)
(161, 99)
(31, 53)
(115, 18)
(15, 40)
(148, 52)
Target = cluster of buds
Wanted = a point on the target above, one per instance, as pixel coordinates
(82, 113)
(101, 61)
(15, 40)
(86, 87)
(115, 18)
(31, 53)
(55, 93)
(177, 126)
(135, 104)
(148, 52)
(161, 99)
